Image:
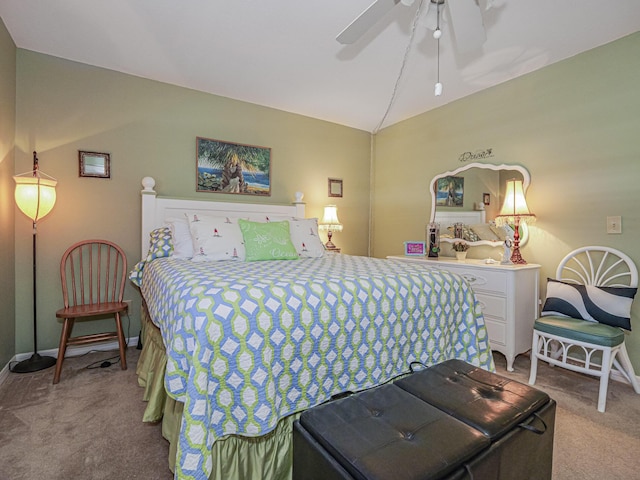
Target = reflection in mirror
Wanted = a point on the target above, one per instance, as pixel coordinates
(471, 196)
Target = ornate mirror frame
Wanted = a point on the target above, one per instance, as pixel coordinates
(526, 180)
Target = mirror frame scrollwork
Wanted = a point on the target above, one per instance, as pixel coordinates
(526, 180)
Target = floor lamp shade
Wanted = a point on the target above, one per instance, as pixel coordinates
(35, 196)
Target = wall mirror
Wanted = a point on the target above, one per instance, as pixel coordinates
(470, 197)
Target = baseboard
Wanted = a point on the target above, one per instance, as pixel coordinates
(618, 377)
(72, 351)
(615, 374)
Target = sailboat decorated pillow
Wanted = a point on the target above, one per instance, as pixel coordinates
(608, 305)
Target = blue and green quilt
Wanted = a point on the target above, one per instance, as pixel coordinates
(249, 343)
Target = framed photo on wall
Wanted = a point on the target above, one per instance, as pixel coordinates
(335, 187)
(225, 167)
(94, 164)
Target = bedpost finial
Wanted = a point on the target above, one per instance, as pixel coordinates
(299, 196)
(148, 183)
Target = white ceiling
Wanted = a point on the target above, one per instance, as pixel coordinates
(283, 53)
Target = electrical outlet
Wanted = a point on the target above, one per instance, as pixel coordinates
(614, 224)
(128, 302)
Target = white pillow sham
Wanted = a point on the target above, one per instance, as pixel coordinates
(215, 238)
(304, 236)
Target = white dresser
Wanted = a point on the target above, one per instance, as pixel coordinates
(508, 295)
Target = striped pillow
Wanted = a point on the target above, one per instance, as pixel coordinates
(608, 305)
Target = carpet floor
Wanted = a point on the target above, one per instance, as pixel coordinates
(89, 425)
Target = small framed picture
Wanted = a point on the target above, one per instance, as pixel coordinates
(486, 199)
(335, 187)
(414, 249)
(94, 164)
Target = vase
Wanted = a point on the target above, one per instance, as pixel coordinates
(460, 256)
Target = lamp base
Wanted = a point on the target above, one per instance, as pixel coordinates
(34, 363)
(330, 245)
(516, 257)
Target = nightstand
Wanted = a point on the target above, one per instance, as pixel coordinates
(508, 296)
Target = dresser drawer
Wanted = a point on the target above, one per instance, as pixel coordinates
(497, 332)
(482, 280)
(493, 306)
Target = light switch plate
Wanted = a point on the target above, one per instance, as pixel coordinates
(614, 224)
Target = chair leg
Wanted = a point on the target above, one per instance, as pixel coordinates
(121, 342)
(533, 370)
(626, 367)
(67, 326)
(607, 360)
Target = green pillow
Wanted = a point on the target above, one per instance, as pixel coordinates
(267, 241)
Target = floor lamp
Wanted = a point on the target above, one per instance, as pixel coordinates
(35, 196)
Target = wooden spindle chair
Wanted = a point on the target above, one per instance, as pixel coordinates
(93, 275)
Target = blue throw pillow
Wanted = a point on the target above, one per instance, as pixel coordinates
(160, 245)
(608, 305)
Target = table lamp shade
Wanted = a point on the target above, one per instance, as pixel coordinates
(515, 204)
(330, 220)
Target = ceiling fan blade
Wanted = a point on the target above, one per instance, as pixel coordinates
(465, 19)
(365, 21)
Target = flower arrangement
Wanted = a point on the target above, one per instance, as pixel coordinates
(460, 246)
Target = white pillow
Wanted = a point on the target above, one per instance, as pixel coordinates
(483, 230)
(215, 238)
(304, 236)
(181, 237)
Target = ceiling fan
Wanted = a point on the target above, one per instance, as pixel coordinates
(464, 18)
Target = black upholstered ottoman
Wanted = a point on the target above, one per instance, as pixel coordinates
(519, 420)
(382, 433)
(450, 421)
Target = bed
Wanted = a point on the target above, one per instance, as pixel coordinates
(234, 349)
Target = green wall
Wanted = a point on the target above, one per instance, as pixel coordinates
(574, 125)
(150, 129)
(7, 250)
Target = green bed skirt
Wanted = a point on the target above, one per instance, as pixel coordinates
(269, 457)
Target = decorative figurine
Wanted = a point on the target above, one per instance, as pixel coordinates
(506, 256)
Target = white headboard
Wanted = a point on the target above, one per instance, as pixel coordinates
(156, 209)
(448, 218)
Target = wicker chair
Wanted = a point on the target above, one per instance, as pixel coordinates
(586, 346)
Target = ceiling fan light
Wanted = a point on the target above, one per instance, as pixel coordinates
(438, 89)
(407, 3)
(437, 33)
